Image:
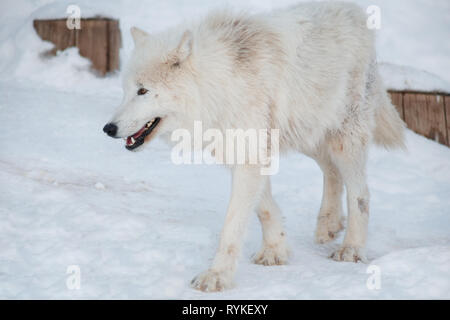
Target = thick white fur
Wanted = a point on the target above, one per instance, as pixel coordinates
(309, 71)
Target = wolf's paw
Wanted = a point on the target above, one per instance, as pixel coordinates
(349, 254)
(212, 281)
(327, 230)
(271, 256)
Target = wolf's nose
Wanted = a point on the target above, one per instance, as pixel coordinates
(110, 129)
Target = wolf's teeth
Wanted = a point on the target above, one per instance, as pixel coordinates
(132, 140)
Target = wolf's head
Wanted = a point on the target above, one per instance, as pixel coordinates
(158, 85)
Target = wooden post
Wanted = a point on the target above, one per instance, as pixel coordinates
(98, 40)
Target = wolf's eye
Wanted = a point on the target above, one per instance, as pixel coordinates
(142, 91)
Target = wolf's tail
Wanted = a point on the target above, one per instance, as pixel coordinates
(389, 130)
(389, 127)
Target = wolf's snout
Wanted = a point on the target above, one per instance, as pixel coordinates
(110, 129)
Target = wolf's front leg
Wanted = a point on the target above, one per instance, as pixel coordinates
(247, 186)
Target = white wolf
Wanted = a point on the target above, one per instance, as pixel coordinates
(308, 71)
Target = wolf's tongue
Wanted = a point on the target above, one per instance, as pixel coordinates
(137, 134)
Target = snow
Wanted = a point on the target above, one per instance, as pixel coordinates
(139, 226)
(411, 79)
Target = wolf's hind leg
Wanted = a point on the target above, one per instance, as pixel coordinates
(330, 219)
(350, 158)
(274, 250)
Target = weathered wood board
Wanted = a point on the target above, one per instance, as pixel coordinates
(114, 43)
(447, 117)
(56, 32)
(98, 39)
(425, 114)
(397, 101)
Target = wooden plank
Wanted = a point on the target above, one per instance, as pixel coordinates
(436, 111)
(425, 114)
(397, 101)
(114, 44)
(92, 41)
(447, 115)
(98, 40)
(55, 31)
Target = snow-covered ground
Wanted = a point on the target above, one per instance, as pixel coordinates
(139, 226)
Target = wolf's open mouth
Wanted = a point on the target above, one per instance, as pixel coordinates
(138, 138)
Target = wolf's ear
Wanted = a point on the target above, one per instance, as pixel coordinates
(184, 48)
(139, 35)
